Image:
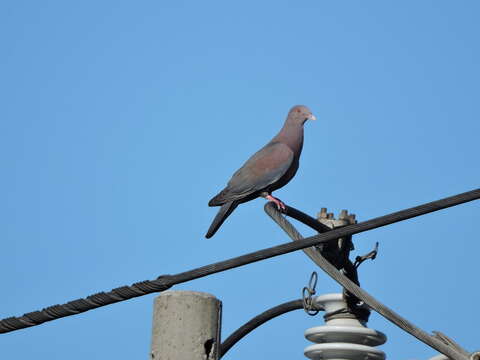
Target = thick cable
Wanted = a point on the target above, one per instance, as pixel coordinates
(257, 321)
(78, 306)
(330, 235)
(450, 349)
(306, 219)
(166, 281)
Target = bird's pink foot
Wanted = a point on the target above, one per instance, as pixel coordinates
(278, 202)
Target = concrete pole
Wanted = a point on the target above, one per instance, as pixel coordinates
(186, 326)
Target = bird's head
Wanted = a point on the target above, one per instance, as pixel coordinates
(299, 114)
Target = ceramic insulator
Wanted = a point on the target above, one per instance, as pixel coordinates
(342, 338)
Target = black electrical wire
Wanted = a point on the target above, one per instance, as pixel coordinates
(258, 320)
(166, 281)
(306, 219)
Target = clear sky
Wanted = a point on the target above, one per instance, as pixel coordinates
(121, 119)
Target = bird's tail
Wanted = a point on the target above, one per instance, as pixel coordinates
(221, 216)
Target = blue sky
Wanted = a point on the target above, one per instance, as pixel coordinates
(120, 120)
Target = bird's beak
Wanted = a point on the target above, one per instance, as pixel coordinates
(312, 117)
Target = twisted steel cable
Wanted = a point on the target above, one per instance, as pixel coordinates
(166, 281)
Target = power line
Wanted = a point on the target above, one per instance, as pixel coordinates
(258, 320)
(166, 281)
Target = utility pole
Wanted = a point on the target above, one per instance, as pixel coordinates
(186, 326)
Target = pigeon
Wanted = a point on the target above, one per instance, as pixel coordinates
(270, 168)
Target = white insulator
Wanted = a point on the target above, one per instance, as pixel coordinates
(439, 357)
(342, 338)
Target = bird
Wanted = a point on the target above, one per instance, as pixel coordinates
(270, 168)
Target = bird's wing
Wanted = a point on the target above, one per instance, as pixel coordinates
(263, 169)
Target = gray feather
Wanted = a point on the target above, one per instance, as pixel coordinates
(221, 216)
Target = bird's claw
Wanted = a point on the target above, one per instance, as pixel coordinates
(280, 205)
